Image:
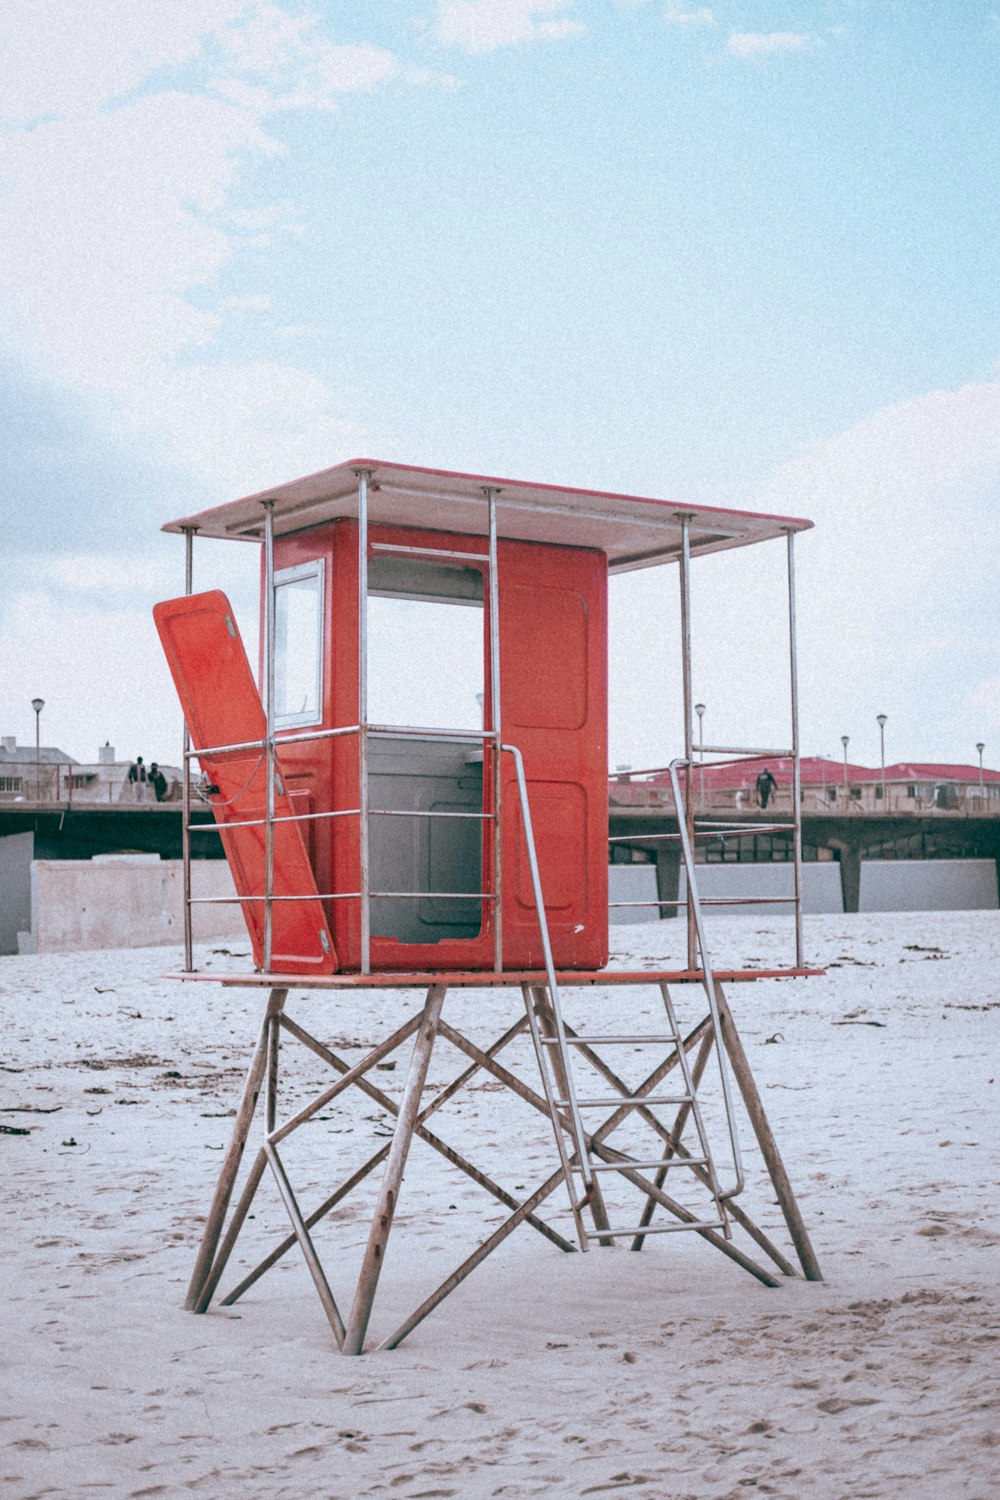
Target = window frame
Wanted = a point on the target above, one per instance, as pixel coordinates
(283, 578)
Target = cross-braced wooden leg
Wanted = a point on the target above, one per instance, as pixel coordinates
(231, 1162)
(284, 1186)
(481, 1059)
(765, 1140)
(385, 1208)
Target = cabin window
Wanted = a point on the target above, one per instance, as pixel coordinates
(10, 783)
(298, 645)
(425, 643)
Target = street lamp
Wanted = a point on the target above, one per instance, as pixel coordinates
(38, 704)
(699, 709)
(980, 746)
(845, 740)
(880, 720)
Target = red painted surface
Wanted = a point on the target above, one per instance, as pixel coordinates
(554, 689)
(221, 706)
(553, 661)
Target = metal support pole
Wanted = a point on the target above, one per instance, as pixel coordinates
(685, 577)
(186, 782)
(269, 712)
(845, 740)
(363, 476)
(496, 724)
(793, 660)
(385, 1208)
(38, 704)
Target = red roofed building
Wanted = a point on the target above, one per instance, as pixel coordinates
(827, 786)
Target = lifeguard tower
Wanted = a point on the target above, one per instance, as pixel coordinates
(435, 855)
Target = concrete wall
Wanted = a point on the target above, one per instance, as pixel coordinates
(16, 852)
(125, 901)
(632, 883)
(821, 890)
(886, 885)
(928, 885)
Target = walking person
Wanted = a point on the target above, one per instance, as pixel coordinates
(766, 786)
(157, 781)
(137, 777)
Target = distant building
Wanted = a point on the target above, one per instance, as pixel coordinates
(30, 775)
(827, 786)
(50, 775)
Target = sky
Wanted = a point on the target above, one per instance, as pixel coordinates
(742, 254)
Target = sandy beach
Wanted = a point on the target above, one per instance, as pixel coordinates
(667, 1374)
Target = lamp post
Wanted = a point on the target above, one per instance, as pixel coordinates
(845, 740)
(699, 709)
(981, 746)
(38, 704)
(880, 720)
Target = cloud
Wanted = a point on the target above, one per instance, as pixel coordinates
(485, 25)
(897, 586)
(910, 454)
(59, 60)
(130, 134)
(100, 667)
(249, 424)
(682, 15)
(753, 44)
(259, 302)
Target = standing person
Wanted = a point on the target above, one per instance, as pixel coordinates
(157, 781)
(766, 786)
(137, 776)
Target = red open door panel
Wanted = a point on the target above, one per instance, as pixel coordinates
(221, 705)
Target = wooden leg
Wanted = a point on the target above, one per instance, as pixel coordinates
(478, 1255)
(231, 1163)
(236, 1222)
(385, 1208)
(765, 1140)
(482, 1059)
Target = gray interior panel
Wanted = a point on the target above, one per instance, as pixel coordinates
(432, 855)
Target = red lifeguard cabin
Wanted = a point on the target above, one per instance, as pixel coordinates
(461, 838)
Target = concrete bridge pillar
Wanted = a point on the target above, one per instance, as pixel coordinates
(850, 877)
(668, 878)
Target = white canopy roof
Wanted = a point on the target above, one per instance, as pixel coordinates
(633, 530)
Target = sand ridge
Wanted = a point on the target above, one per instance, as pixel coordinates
(666, 1374)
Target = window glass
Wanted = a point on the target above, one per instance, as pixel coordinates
(298, 645)
(425, 644)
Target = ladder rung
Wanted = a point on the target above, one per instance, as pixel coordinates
(606, 1234)
(642, 1166)
(589, 1041)
(631, 1099)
